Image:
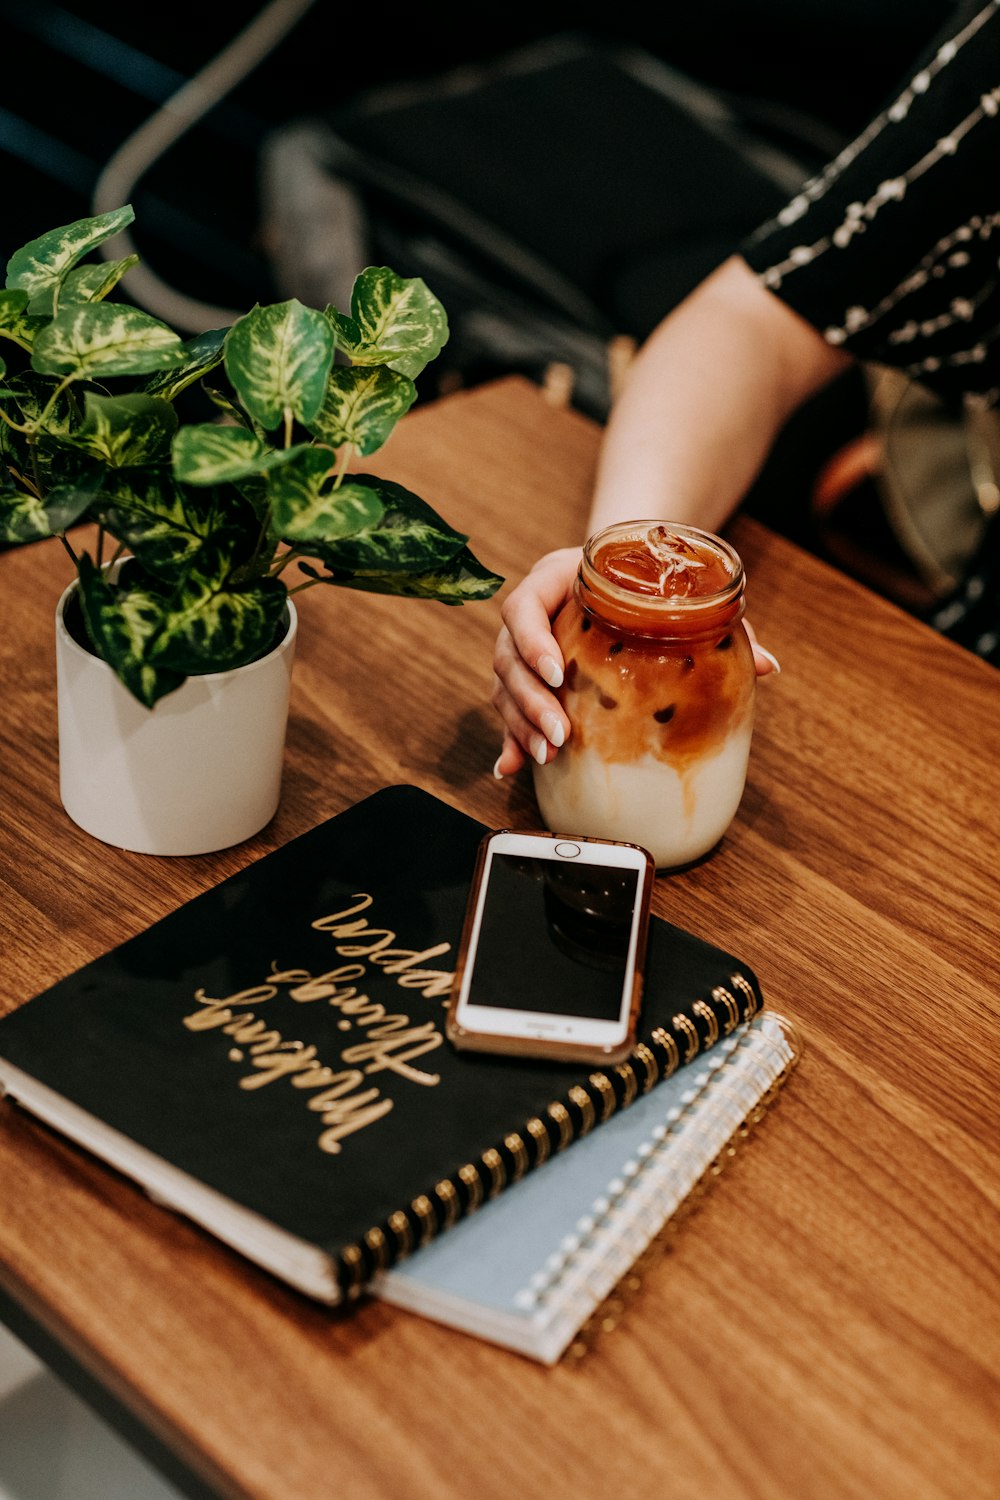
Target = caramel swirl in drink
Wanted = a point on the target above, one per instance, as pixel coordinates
(659, 690)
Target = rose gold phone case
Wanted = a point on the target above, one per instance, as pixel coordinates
(475, 1041)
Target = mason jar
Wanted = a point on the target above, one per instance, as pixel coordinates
(659, 689)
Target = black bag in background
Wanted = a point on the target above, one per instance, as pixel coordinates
(557, 200)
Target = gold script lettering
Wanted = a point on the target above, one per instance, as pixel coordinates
(376, 945)
(343, 1116)
(350, 1115)
(281, 1062)
(381, 1050)
(275, 1058)
(219, 1012)
(249, 1030)
(306, 988)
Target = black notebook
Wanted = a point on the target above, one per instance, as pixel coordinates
(270, 1060)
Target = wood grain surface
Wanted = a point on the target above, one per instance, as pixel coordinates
(827, 1324)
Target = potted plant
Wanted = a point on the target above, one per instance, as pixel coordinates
(215, 471)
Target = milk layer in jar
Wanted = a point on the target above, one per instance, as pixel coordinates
(659, 690)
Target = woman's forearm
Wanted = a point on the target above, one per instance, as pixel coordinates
(703, 402)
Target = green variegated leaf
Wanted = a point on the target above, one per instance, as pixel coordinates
(212, 626)
(68, 502)
(27, 395)
(166, 525)
(127, 431)
(13, 302)
(208, 454)
(410, 538)
(201, 354)
(92, 283)
(10, 447)
(123, 622)
(102, 339)
(278, 359)
(23, 516)
(362, 406)
(227, 404)
(394, 321)
(459, 581)
(304, 509)
(15, 322)
(15, 455)
(45, 261)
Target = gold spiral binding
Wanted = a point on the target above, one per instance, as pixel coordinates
(710, 1019)
(564, 1124)
(722, 997)
(353, 1260)
(423, 1211)
(648, 1061)
(692, 1041)
(626, 1073)
(747, 990)
(378, 1247)
(663, 1039)
(447, 1195)
(473, 1184)
(588, 1118)
(606, 1089)
(540, 1136)
(519, 1152)
(493, 1162)
(403, 1232)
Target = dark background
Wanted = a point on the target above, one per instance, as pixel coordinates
(79, 78)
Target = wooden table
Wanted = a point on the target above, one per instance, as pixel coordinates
(827, 1325)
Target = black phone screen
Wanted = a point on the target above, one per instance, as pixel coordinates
(554, 937)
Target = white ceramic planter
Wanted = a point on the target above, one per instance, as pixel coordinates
(201, 770)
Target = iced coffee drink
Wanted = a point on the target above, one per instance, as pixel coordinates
(659, 690)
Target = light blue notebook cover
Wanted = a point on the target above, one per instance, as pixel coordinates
(528, 1268)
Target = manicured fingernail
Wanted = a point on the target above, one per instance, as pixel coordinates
(540, 748)
(554, 732)
(770, 656)
(550, 671)
(497, 773)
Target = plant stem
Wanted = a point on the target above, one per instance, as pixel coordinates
(282, 561)
(253, 566)
(66, 543)
(36, 476)
(29, 484)
(11, 423)
(343, 459)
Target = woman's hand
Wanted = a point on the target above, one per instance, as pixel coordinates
(527, 663)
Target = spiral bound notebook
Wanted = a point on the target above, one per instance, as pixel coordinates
(270, 1057)
(530, 1269)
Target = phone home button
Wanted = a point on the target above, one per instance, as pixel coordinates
(568, 851)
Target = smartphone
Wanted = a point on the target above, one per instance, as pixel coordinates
(552, 953)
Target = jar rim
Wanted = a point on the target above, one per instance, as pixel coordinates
(683, 605)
